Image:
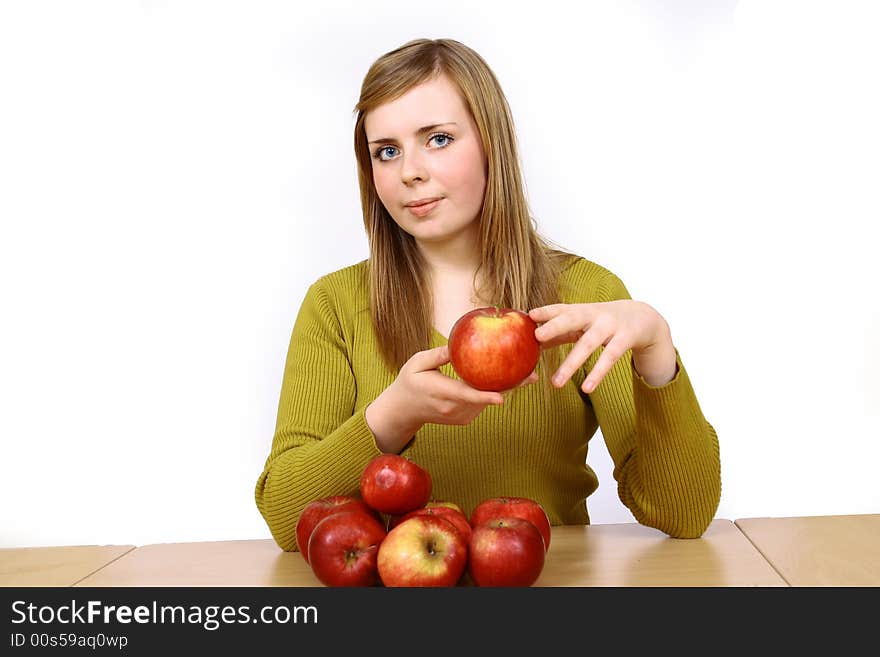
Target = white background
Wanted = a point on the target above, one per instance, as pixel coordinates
(173, 176)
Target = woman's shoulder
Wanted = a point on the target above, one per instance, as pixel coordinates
(351, 276)
(348, 287)
(578, 266)
(582, 280)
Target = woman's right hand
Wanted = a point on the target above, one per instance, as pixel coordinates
(420, 394)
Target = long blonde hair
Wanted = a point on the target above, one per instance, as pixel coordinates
(519, 268)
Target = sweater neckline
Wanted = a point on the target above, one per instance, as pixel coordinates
(438, 334)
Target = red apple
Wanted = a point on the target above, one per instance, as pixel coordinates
(316, 510)
(513, 507)
(423, 550)
(494, 348)
(343, 549)
(440, 510)
(393, 484)
(451, 505)
(505, 552)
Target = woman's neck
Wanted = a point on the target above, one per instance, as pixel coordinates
(453, 258)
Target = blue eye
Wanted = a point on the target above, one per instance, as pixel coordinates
(382, 150)
(447, 139)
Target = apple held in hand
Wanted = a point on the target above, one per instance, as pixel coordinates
(343, 549)
(423, 550)
(316, 510)
(393, 484)
(494, 348)
(513, 507)
(505, 552)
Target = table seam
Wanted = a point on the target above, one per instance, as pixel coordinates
(102, 567)
(761, 552)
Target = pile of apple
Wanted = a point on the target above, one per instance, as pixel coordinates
(395, 535)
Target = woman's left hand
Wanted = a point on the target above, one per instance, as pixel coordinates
(616, 325)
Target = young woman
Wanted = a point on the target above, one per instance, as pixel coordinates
(449, 230)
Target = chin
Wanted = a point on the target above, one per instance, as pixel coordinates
(436, 229)
(432, 236)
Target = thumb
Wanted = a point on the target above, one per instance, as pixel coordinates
(431, 359)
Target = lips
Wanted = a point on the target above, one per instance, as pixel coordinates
(424, 208)
(423, 201)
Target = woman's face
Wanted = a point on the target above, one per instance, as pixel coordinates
(425, 145)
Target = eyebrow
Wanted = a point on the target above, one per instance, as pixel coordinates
(420, 131)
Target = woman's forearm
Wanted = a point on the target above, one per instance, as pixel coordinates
(391, 426)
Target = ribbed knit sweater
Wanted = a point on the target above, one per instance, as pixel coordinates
(665, 453)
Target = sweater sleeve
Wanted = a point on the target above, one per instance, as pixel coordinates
(320, 445)
(665, 452)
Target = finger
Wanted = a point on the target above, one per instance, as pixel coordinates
(529, 380)
(461, 391)
(565, 338)
(575, 321)
(589, 342)
(430, 359)
(615, 348)
(546, 313)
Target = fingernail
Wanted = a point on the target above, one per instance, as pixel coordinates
(589, 385)
(557, 380)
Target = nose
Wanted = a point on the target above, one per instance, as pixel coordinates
(413, 168)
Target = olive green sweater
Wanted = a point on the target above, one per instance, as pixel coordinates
(665, 453)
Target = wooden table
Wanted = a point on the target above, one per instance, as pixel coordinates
(55, 566)
(217, 563)
(819, 550)
(633, 555)
(595, 555)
